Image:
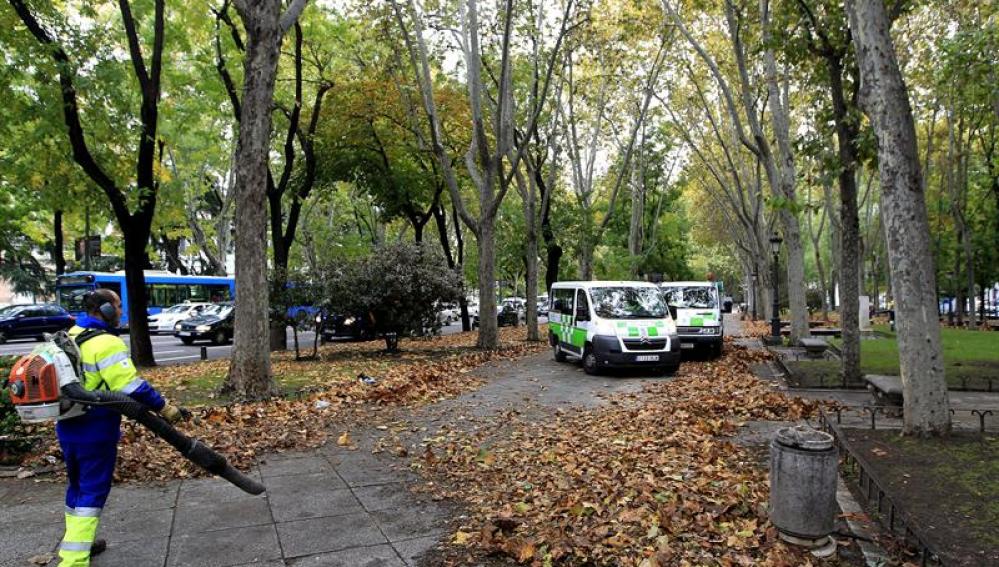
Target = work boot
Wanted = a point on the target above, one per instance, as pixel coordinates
(98, 547)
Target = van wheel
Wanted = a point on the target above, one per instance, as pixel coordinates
(670, 369)
(590, 365)
(219, 337)
(3, 337)
(559, 353)
(716, 350)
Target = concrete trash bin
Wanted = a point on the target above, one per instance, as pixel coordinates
(803, 469)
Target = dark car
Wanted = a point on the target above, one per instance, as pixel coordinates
(355, 327)
(215, 324)
(508, 315)
(33, 321)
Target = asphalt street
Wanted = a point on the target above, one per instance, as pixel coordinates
(169, 350)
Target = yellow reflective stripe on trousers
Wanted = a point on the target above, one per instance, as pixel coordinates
(74, 551)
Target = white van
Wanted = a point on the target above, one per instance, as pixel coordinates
(698, 314)
(612, 324)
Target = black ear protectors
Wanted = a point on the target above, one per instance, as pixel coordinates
(108, 311)
(105, 309)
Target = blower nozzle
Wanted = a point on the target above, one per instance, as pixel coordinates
(192, 449)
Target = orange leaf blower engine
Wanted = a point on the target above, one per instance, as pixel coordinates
(36, 382)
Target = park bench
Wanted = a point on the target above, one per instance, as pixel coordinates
(814, 348)
(826, 332)
(887, 390)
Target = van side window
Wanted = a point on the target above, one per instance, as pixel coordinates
(582, 304)
(562, 300)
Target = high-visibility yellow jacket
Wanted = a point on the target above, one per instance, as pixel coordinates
(106, 366)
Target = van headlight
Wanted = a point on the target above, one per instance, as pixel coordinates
(176, 327)
(202, 328)
(709, 330)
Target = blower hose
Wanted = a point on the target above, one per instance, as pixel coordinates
(194, 450)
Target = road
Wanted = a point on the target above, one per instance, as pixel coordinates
(169, 350)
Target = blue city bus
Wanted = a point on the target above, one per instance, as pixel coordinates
(163, 289)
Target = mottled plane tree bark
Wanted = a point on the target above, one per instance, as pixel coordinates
(913, 275)
(250, 371)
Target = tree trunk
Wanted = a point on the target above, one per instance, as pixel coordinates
(278, 324)
(532, 287)
(785, 180)
(586, 247)
(488, 330)
(847, 133)
(135, 286)
(637, 224)
(553, 251)
(58, 256)
(250, 371)
(913, 273)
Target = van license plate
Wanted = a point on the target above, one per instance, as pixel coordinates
(686, 345)
(647, 358)
(184, 334)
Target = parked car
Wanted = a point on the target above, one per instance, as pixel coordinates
(215, 323)
(18, 321)
(448, 313)
(347, 326)
(168, 320)
(508, 315)
(516, 304)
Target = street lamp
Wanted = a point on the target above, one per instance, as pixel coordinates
(754, 277)
(775, 242)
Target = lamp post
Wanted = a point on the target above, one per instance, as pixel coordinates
(754, 277)
(775, 242)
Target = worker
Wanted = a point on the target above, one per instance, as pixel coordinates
(90, 442)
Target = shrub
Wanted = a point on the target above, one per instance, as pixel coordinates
(397, 287)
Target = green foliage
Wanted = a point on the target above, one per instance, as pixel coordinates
(8, 415)
(397, 286)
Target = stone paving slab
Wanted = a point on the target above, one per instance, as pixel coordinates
(298, 466)
(320, 535)
(374, 556)
(147, 553)
(225, 548)
(196, 518)
(136, 525)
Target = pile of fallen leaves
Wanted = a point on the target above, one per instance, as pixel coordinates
(433, 370)
(650, 480)
(758, 329)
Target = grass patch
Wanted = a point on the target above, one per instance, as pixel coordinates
(950, 486)
(971, 358)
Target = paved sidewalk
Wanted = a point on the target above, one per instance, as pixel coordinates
(332, 507)
(328, 507)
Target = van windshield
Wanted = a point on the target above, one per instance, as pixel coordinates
(628, 303)
(691, 297)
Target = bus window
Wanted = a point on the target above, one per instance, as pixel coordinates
(197, 293)
(164, 295)
(71, 297)
(218, 293)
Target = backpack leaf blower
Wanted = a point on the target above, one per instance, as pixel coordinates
(45, 386)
